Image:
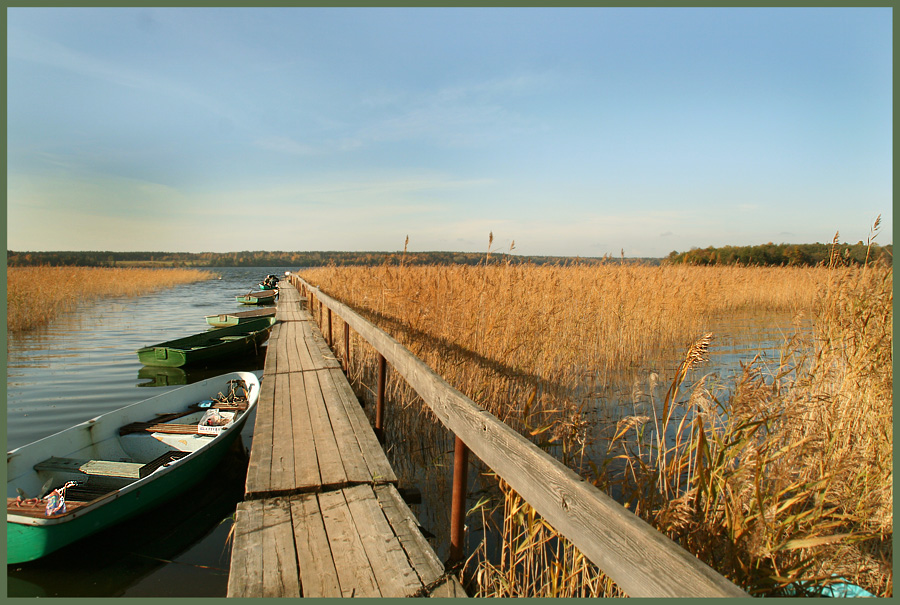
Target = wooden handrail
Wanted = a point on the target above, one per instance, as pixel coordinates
(640, 559)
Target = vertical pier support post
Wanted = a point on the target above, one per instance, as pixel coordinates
(379, 401)
(346, 348)
(330, 335)
(458, 506)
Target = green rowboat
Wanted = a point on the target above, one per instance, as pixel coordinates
(210, 346)
(223, 320)
(121, 463)
(261, 297)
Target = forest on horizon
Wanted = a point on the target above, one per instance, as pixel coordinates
(762, 255)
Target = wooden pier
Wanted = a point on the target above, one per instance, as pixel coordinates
(321, 515)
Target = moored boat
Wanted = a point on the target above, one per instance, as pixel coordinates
(93, 475)
(212, 345)
(270, 283)
(260, 297)
(231, 319)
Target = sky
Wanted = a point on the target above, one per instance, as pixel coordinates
(561, 131)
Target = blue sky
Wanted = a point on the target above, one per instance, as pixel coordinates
(578, 131)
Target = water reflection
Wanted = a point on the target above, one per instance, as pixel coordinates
(163, 377)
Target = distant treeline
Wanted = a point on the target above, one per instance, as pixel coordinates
(284, 259)
(766, 254)
(782, 254)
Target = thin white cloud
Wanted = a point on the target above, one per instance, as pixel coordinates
(465, 114)
(283, 144)
(28, 47)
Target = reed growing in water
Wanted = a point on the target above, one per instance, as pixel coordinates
(780, 482)
(35, 295)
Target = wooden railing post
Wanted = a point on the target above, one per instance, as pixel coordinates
(379, 400)
(330, 335)
(346, 348)
(458, 504)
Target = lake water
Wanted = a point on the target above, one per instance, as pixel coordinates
(84, 364)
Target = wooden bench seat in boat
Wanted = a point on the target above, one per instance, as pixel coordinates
(106, 468)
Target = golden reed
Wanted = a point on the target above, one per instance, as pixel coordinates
(35, 295)
(776, 483)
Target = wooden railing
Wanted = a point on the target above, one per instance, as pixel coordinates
(640, 559)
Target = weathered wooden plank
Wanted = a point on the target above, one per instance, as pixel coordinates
(287, 293)
(356, 576)
(331, 468)
(280, 577)
(306, 465)
(270, 365)
(259, 468)
(404, 524)
(282, 355)
(380, 469)
(318, 348)
(288, 303)
(450, 588)
(318, 576)
(301, 357)
(244, 577)
(282, 477)
(352, 457)
(641, 560)
(392, 569)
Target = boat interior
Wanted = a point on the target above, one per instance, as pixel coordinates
(102, 469)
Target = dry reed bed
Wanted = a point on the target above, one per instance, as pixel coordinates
(787, 481)
(35, 295)
(547, 327)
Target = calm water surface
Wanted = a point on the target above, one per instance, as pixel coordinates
(84, 364)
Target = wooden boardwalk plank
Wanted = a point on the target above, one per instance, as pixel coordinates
(404, 524)
(259, 469)
(331, 467)
(306, 464)
(282, 474)
(280, 573)
(318, 576)
(269, 367)
(246, 550)
(352, 456)
(379, 468)
(450, 588)
(318, 348)
(304, 360)
(355, 574)
(392, 569)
